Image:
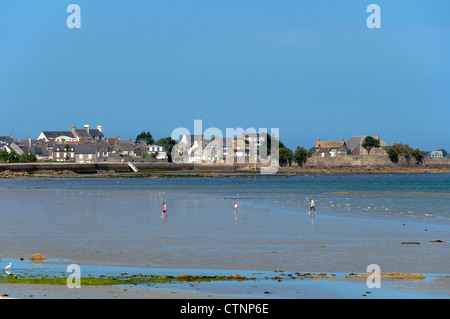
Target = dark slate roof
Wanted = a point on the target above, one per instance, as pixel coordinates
(344, 148)
(354, 142)
(124, 146)
(6, 139)
(85, 149)
(83, 133)
(102, 145)
(62, 147)
(55, 134)
(95, 133)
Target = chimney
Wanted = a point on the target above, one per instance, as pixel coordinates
(99, 127)
(86, 127)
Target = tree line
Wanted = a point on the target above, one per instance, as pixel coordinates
(13, 157)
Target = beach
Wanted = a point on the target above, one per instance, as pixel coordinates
(113, 225)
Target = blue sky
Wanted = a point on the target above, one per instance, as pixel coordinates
(313, 69)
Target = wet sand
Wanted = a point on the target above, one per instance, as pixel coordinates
(37, 291)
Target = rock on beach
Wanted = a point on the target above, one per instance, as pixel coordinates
(38, 257)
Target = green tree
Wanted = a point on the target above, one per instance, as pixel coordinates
(418, 155)
(27, 158)
(399, 149)
(144, 136)
(393, 152)
(285, 156)
(13, 157)
(369, 143)
(266, 145)
(301, 155)
(9, 157)
(168, 143)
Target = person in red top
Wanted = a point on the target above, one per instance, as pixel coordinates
(164, 211)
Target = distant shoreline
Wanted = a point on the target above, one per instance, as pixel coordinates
(155, 170)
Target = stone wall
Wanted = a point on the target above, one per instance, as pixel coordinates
(370, 160)
(30, 167)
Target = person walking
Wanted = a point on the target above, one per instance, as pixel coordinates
(164, 210)
(311, 204)
(235, 207)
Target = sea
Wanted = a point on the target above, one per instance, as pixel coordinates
(419, 197)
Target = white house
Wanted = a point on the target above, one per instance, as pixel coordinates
(160, 151)
(436, 154)
(57, 136)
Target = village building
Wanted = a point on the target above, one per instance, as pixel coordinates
(42, 150)
(63, 152)
(158, 151)
(74, 135)
(196, 149)
(57, 136)
(355, 146)
(85, 153)
(352, 147)
(436, 154)
(77, 153)
(87, 134)
(124, 148)
(331, 148)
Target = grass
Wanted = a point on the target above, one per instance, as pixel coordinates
(117, 280)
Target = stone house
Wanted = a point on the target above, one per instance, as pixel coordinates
(85, 153)
(124, 148)
(331, 148)
(63, 152)
(87, 134)
(355, 146)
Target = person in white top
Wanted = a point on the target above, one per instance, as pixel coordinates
(235, 207)
(311, 203)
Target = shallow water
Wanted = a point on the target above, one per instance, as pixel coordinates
(263, 284)
(116, 222)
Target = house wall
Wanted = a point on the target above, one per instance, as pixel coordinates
(62, 156)
(85, 158)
